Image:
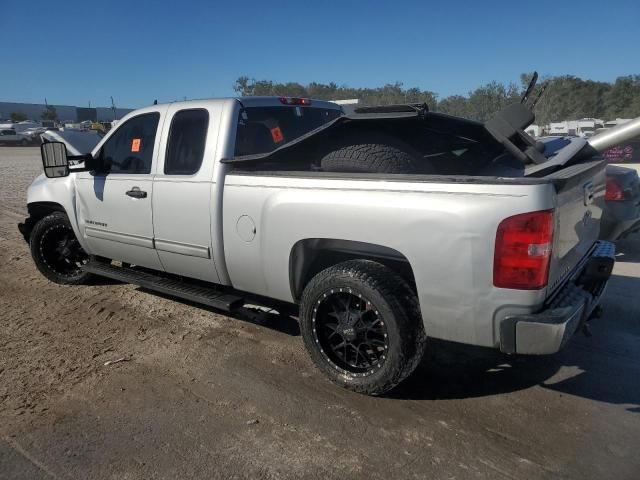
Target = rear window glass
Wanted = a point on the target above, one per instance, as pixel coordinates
(263, 129)
(187, 139)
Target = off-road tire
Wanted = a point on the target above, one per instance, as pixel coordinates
(398, 307)
(371, 152)
(40, 229)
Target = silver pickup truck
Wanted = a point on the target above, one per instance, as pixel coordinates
(379, 229)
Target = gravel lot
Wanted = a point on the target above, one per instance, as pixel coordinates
(203, 395)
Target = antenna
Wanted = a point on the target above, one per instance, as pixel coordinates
(532, 85)
(540, 92)
(113, 108)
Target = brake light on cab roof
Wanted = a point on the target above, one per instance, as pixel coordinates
(305, 102)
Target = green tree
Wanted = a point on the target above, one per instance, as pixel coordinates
(50, 113)
(566, 97)
(18, 117)
(623, 98)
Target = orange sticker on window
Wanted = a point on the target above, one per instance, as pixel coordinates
(276, 134)
(135, 145)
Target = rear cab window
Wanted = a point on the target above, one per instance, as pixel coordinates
(187, 141)
(262, 129)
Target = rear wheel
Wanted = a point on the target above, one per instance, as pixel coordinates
(361, 324)
(56, 250)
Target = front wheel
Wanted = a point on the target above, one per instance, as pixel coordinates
(57, 252)
(362, 326)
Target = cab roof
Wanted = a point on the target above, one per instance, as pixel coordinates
(257, 101)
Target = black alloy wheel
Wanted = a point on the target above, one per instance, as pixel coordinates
(57, 252)
(362, 326)
(350, 332)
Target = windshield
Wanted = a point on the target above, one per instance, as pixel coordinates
(263, 129)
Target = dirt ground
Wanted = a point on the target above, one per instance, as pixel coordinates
(204, 395)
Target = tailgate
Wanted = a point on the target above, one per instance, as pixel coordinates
(580, 190)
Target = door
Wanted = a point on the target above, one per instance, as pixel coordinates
(114, 206)
(183, 190)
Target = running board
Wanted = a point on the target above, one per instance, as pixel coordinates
(184, 289)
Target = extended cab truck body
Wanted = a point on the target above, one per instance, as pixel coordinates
(197, 199)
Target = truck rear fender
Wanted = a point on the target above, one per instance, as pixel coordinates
(312, 255)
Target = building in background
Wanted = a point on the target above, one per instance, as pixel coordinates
(66, 113)
(535, 130)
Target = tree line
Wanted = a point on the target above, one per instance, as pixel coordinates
(565, 97)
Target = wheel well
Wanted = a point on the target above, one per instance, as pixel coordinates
(312, 255)
(37, 211)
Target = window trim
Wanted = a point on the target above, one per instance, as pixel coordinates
(206, 136)
(115, 132)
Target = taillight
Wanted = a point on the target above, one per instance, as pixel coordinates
(295, 101)
(523, 251)
(614, 191)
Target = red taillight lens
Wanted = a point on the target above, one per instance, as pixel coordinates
(295, 101)
(614, 192)
(523, 251)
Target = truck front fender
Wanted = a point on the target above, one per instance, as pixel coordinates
(47, 195)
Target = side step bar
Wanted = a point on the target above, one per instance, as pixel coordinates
(184, 289)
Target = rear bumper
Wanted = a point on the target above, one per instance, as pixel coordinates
(549, 330)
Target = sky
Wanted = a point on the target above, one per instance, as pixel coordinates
(76, 52)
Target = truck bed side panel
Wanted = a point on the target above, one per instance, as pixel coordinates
(446, 231)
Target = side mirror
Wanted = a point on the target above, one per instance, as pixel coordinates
(54, 159)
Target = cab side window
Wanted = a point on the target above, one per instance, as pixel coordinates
(187, 140)
(130, 148)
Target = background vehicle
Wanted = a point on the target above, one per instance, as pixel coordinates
(621, 216)
(8, 136)
(33, 134)
(625, 155)
(491, 240)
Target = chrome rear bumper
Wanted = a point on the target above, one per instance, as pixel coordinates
(565, 311)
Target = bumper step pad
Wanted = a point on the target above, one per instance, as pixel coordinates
(187, 290)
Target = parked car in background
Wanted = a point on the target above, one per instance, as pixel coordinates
(33, 134)
(8, 136)
(621, 215)
(627, 155)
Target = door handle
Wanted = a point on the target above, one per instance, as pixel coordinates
(135, 192)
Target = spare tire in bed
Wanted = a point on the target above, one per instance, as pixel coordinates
(374, 152)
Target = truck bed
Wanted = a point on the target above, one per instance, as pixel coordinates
(443, 227)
